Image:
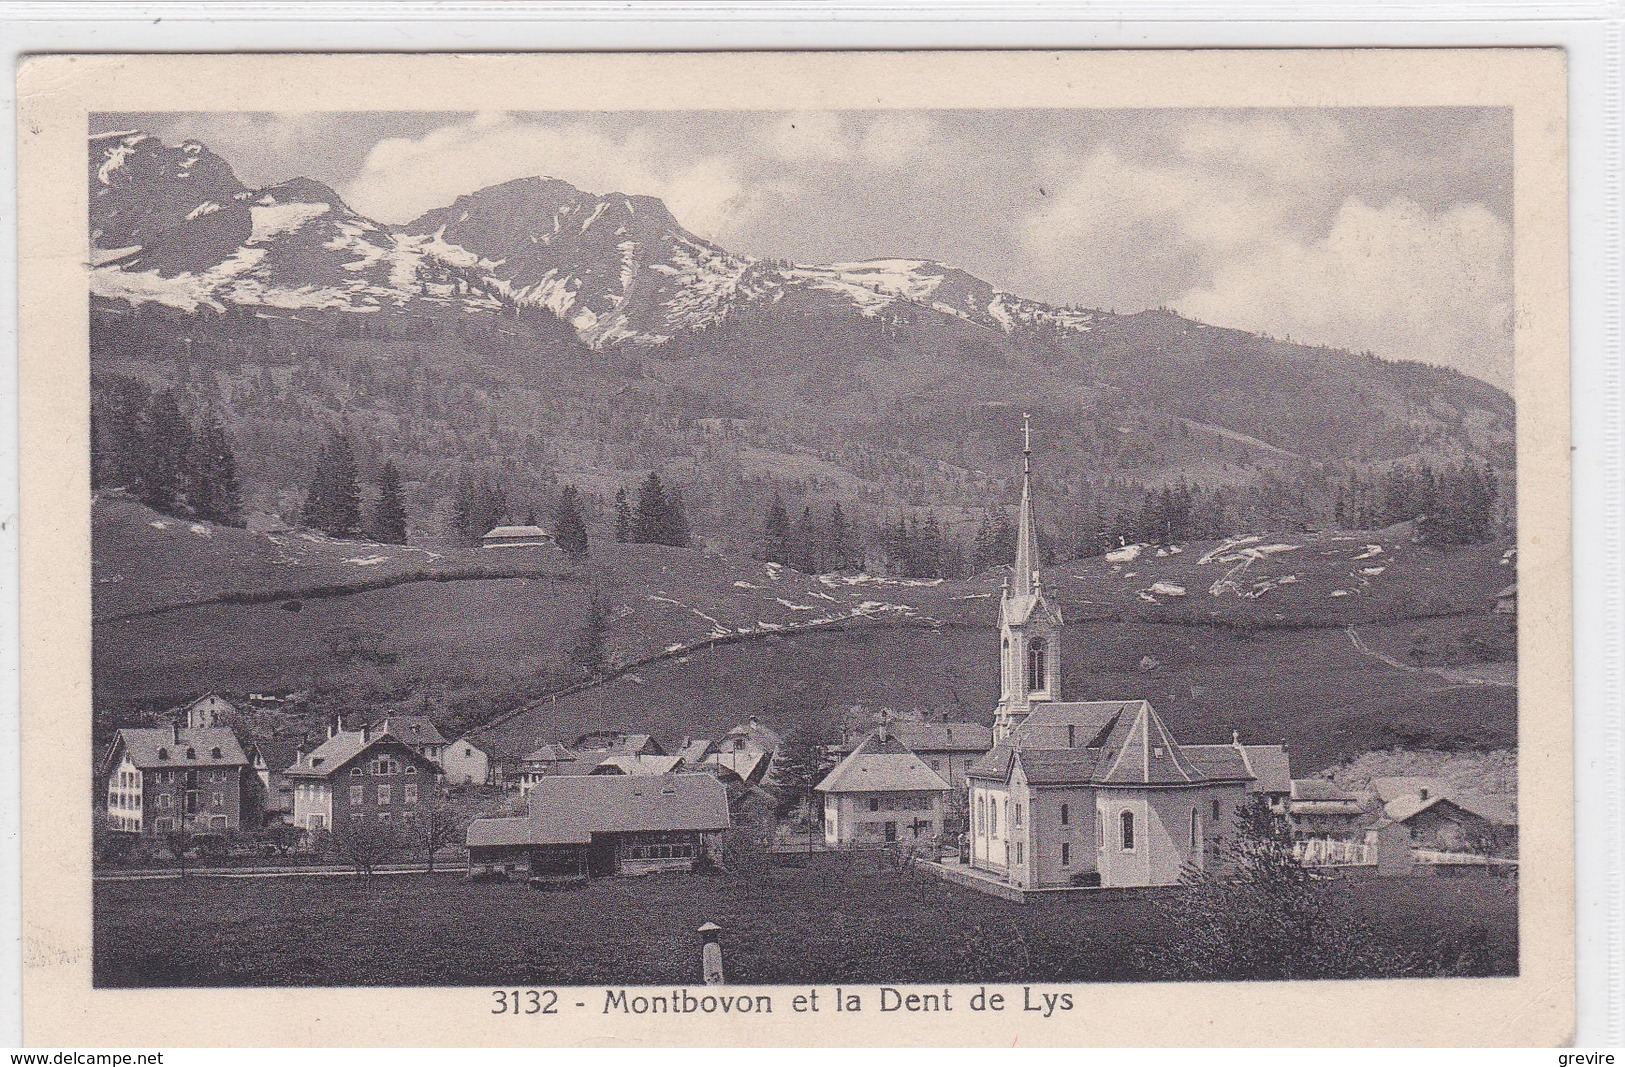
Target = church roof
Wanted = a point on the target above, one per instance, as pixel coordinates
(882, 765)
(1072, 723)
(1112, 743)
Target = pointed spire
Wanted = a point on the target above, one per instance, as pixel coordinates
(1026, 530)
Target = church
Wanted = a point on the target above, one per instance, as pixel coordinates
(1092, 793)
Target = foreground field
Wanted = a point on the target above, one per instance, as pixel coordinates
(844, 918)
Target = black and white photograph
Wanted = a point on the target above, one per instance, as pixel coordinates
(798, 548)
(888, 547)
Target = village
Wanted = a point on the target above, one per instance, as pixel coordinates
(1057, 796)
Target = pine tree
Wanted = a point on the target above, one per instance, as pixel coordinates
(216, 493)
(836, 549)
(333, 504)
(649, 523)
(982, 548)
(388, 522)
(117, 410)
(623, 518)
(569, 525)
(677, 533)
(804, 543)
(165, 447)
(776, 532)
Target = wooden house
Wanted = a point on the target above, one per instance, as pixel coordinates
(598, 825)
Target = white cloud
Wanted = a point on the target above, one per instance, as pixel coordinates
(807, 136)
(896, 140)
(1238, 224)
(403, 177)
(1395, 278)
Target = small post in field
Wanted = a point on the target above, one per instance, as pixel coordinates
(711, 954)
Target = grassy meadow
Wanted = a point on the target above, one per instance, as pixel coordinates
(844, 918)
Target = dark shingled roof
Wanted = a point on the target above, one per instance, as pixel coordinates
(1122, 743)
(1080, 724)
(882, 766)
(1218, 761)
(413, 729)
(569, 809)
(344, 747)
(152, 748)
(278, 755)
(1063, 766)
(943, 736)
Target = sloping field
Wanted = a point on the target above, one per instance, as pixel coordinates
(1307, 688)
(1250, 634)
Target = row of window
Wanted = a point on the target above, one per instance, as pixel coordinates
(409, 794)
(383, 765)
(680, 850)
(167, 777)
(191, 753)
(905, 802)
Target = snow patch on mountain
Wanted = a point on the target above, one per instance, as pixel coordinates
(272, 219)
(115, 157)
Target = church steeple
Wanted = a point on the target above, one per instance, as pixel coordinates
(1027, 558)
(1029, 628)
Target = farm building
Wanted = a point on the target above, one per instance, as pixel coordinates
(880, 793)
(1318, 808)
(597, 825)
(547, 761)
(211, 710)
(168, 778)
(517, 537)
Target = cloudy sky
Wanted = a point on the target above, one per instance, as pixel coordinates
(1387, 230)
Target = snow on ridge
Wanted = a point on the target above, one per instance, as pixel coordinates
(208, 207)
(116, 156)
(98, 256)
(272, 219)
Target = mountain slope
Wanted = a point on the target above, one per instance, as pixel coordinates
(892, 381)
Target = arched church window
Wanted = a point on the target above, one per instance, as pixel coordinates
(1127, 820)
(1037, 664)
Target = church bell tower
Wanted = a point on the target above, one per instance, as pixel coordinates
(1029, 627)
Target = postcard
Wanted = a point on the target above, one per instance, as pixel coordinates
(920, 548)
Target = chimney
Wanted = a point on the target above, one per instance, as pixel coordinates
(1235, 738)
(174, 733)
(1071, 736)
(755, 722)
(1424, 792)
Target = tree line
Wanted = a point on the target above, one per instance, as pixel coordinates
(176, 461)
(658, 518)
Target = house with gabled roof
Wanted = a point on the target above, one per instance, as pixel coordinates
(360, 775)
(419, 731)
(170, 778)
(593, 825)
(470, 760)
(881, 793)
